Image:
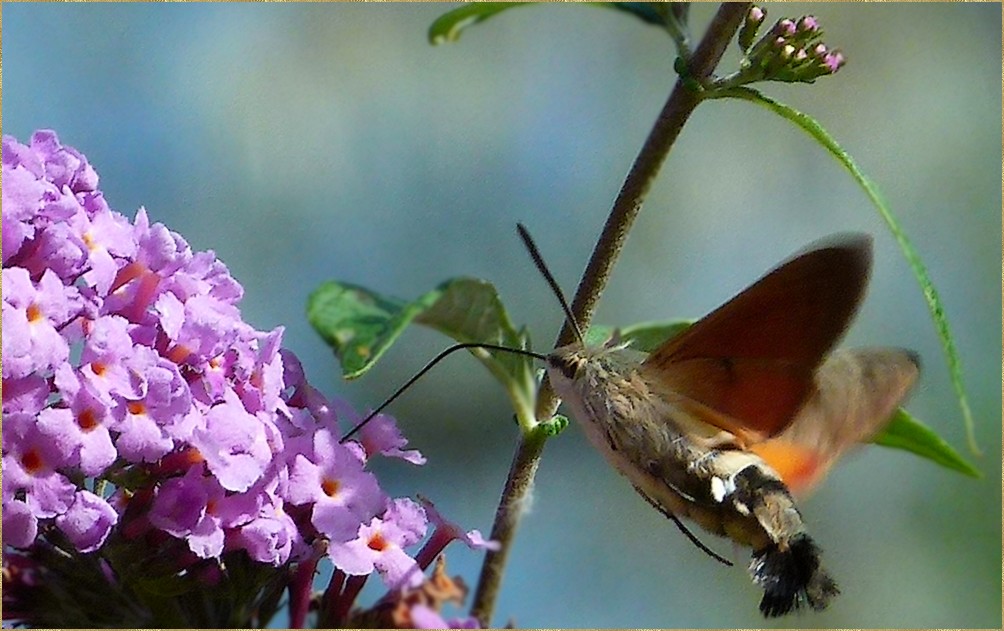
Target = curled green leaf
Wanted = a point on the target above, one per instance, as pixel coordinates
(359, 324)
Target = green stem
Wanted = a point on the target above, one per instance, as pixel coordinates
(680, 104)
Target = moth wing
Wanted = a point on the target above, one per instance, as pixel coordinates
(753, 359)
(854, 394)
(741, 396)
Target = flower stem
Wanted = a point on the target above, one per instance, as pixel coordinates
(300, 592)
(507, 516)
(680, 104)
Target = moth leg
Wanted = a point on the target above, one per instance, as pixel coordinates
(686, 531)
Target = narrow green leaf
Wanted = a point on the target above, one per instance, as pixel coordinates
(906, 432)
(814, 129)
(360, 325)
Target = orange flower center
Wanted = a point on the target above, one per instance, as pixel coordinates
(87, 420)
(330, 487)
(34, 313)
(32, 461)
(378, 543)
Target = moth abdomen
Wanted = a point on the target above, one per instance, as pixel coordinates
(791, 575)
(788, 568)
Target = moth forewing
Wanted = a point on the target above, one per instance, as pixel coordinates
(754, 358)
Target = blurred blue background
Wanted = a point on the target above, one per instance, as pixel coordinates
(308, 142)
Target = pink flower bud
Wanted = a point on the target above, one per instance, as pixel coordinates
(833, 61)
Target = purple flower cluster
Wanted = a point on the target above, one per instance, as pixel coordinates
(137, 405)
(791, 51)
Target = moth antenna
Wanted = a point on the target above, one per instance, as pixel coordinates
(435, 360)
(538, 260)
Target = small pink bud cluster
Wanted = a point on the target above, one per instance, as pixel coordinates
(791, 51)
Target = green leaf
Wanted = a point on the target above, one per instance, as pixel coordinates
(814, 129)
(449, 26)
(647, 12)
(906, 432)
(360, 325)
(647, 336)
(644, 336)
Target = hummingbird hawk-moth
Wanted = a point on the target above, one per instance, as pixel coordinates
(727, 422)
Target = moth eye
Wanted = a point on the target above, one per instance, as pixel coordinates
(569, 366)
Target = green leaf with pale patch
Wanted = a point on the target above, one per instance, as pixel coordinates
(359, 324)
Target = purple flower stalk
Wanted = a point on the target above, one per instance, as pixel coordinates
(147, 425)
